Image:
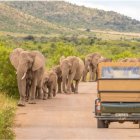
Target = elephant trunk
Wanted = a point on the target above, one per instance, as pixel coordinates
(21, 80)
(22, 88)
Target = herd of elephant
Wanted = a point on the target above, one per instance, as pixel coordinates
(35, 82)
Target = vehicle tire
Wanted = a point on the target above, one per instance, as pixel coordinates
(101, 124)
(106, 125)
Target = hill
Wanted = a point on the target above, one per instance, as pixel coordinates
(73, 16)
(14, 20)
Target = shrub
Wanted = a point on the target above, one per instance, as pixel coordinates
(29, 37)
(8, 82)
(125, 54)
(7, 112)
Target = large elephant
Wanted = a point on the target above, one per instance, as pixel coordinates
(49, 84)
(91, 63)
(72, 68)
(58, 72)
(30, 68)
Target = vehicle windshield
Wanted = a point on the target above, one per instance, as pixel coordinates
(120, 72)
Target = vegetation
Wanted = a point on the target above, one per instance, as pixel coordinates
(8, 91)
(52, 48)
(7, 112)
(57, 29)
(71, 16)
(8, 82)
(14, 20)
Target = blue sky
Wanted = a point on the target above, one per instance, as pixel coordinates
(129, 8)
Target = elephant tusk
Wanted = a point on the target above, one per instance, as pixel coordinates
(23, 76)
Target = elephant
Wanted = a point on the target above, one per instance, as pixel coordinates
(30, 66)
(58, 72)
(91, 63)
(72, 68)
(49, 84)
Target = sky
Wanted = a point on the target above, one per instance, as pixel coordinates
(129, 8)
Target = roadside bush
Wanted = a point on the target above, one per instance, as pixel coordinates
(7, 113)
(125, 54)
(60, 50)
(8, 82)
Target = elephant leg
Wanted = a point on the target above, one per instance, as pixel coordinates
(22, 91)
(40, 93)
(59, 81)
(44, 91)
(70, 80)
(76, 86)
(84, 76)
(64, 84)
(40, 90)
(54, 92)
(27, 92)
(94, 74)
(33, 91)
(21, 101)
(45, 96)
(49, 93)
(72, 87)
(90, 75)
(36, 93)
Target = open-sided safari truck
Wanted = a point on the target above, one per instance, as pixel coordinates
(118, 93)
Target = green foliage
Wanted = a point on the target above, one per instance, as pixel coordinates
(6, 121)
(7, 112)
(8, 81)
(60, 49)
(125, 54)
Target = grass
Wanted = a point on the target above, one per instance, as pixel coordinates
(7, 113)
(105, 35)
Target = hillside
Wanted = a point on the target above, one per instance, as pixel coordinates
(72, 16)
(14, 20)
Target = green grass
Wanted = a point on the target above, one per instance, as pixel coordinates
(7, 113)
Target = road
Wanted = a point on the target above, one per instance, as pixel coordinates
(69, 117)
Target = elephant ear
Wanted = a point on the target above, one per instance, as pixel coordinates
(14, 57)
(39, 61)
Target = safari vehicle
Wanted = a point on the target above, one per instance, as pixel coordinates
(118, 88)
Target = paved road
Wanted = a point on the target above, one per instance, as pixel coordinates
(69, 117)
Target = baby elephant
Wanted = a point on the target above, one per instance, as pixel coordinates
(49, 84)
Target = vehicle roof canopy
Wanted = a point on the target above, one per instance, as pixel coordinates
(119, 69)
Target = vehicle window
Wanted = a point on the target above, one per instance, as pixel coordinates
(120, 72)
